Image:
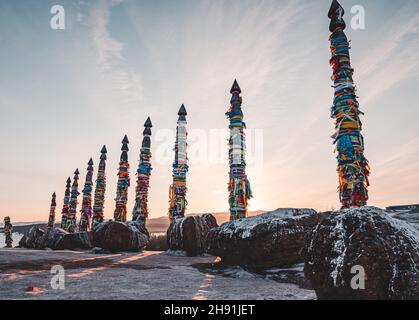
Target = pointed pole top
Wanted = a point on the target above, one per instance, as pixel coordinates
(148, 123)
(90, 163)
(68, 180)
(335, 15)
(235, 88)
(182, 111)
(125, 140)
(54, 195)
(335, 9)
(76, 173)
(103, 155)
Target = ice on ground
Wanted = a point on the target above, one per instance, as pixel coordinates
(176, 253)
(146, 275)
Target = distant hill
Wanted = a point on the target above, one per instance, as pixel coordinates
(154, 225)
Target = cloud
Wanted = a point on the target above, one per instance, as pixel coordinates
(110, 57)
(393, 60)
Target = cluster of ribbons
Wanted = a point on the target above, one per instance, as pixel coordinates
(120, 213)
(177, 190)
(86, 207)
(8, 229)
(353, 168)
(100, 190)
(64, 212)
(71, 223)
(140, 211)
(51, 218)
(238, 186)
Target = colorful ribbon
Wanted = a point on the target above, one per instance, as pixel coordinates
(353, 168)
(120, 213)
(8, 229)
(177, 191)
(86, 208)
(71, 223)
(51, 218)
(64, 212)
(239, 186)
(140, 211)
(100, 190)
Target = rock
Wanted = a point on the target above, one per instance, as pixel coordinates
(273, 239)
(55, 239)
(386, 248)
(22, 242)
(120, 236)
(33, 239)
(76, 240)
(188, 234)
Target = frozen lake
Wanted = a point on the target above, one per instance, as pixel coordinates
(16, 238)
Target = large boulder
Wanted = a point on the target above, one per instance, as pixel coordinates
(387, 249)
(56, 239)
(59, 239)
(120, 236)
(33, 239)
(188, 234)
(268, 240)
(76, 240)
(52, 237)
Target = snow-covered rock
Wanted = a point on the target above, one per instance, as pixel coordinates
(269, 240)
(387, 249)
(33, 239)
(188, 234)
(72, 241)
(52, 237)
(120, 236)
(55, 239)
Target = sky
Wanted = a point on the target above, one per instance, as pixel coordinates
(66, 93)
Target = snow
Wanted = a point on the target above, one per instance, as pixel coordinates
(146, 275)
(245, 226)
(340, 234)
(239, 273)
(176, 253)
(298, 267)
(340, 248)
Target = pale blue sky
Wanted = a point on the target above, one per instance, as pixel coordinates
(63, 94)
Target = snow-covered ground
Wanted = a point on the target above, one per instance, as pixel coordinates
(147, 275)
